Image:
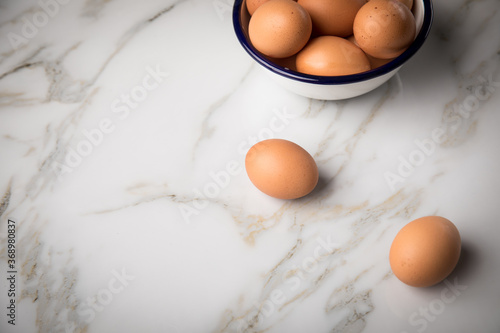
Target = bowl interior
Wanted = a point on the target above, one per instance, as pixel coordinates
(422, 11)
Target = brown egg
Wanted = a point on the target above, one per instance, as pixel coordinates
(280, 28)
(288, 62)
(252, 5)
(332, 17)
(374, 62)
(331, 56)
(408, 3)
(281, 169)
(425, 251)
(384, 28)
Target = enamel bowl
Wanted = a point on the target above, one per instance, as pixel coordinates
(333, 87)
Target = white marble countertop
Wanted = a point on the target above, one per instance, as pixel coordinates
(123, 131)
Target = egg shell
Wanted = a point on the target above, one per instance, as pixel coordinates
(280, 28)
(408, 3)
(384, 28)
(287, 63)
(374, 62)
(331, 56)
(332, 17)
(281, 169)
(425, 251)
(252, 5)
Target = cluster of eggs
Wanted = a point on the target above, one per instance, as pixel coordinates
(423, 253)
(331, 38)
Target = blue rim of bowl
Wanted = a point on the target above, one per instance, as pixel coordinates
(334, 80)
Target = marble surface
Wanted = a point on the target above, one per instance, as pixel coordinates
(123, 131)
